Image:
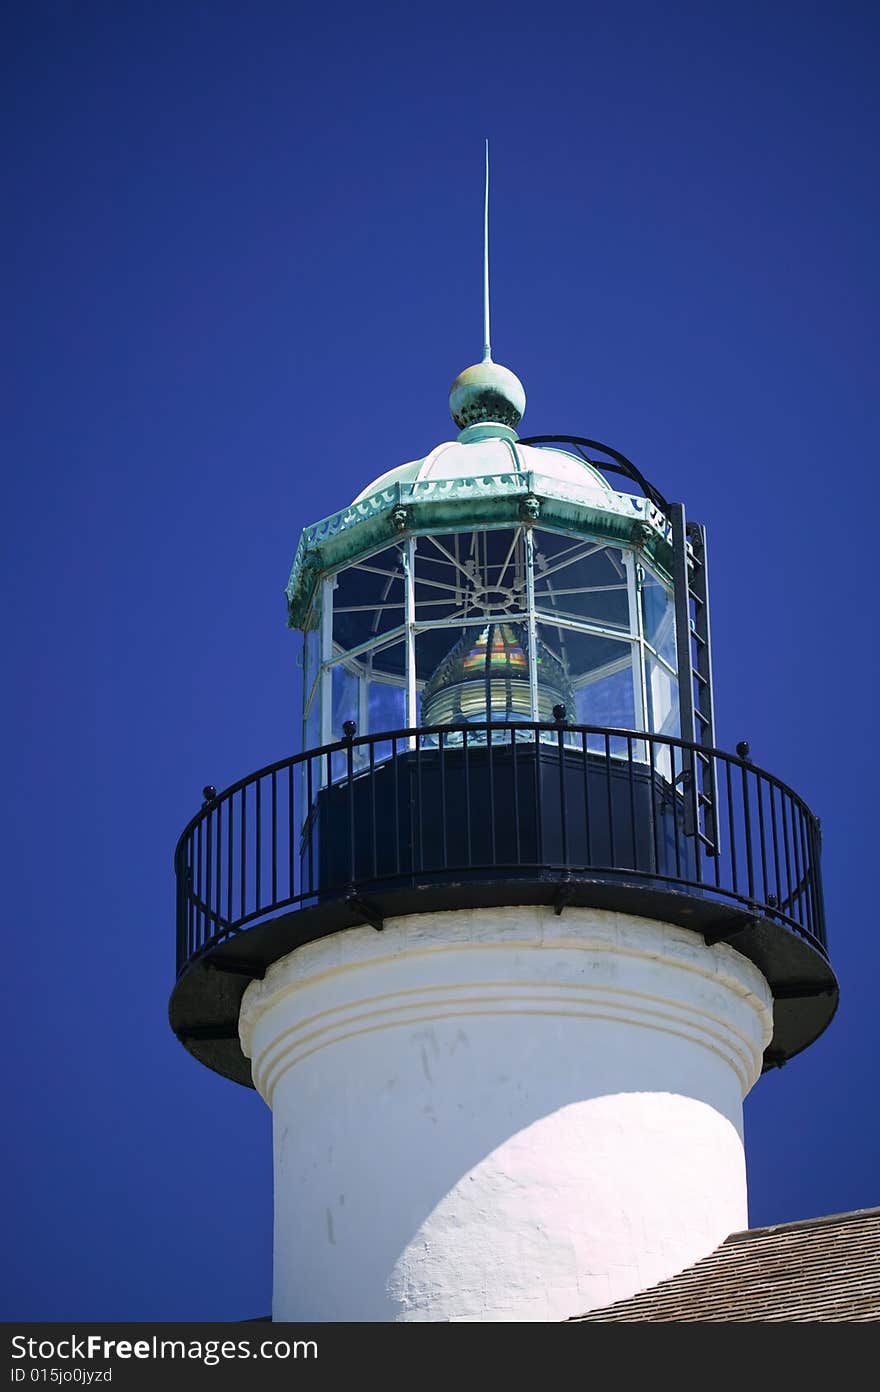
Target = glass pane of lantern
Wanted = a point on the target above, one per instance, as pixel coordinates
(312, 738)
(662, 697)
(468, 575)
(385, 662)
(385, 696)
(311, 656)
(345, 700)
(387, 707)
(603, 679)
(581, 579)
(368, 599)
(607, 697)
(658, 616)
(369, 689)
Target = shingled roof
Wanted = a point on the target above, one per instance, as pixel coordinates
(824, 1269)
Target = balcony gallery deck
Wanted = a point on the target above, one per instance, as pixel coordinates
(373, 826)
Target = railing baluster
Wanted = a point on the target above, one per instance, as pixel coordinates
(410, 806)
(395, 762)
(243, 855)
(349, 769)
(191, 924)
(731, 829)
(230, 846)
(716, 824)
(209, 873)
(274, 838)
(815, 841)
(759, 790)
(588, 845)
(467, 794)
(563, 811)
(612, 851)
(215, 898)
(515, 775)
(676, 820)
(747, 823)
(258, 841)
(490, 769)
(444, 852)
(218, 894)
(808, 877)
(798, 878)
(632, 804)
(200, 920)
(374, 841)
(777, 890)
(539, 801)
(179, 913)
(789, 887)
(421, 802)
(290, 846)
(692, 790)
(328, 785)
(310, 823)
(654, 793)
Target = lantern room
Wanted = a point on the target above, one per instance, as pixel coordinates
(506, 699)
(491, 582)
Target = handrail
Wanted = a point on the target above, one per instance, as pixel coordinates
(498, 800)
(621, 464)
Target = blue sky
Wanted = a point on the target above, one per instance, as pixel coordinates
(243, 265)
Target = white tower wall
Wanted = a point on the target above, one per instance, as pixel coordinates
(501, 1114)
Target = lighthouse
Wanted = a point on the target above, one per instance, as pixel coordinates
(507, 940)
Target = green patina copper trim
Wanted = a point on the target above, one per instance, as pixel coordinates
(438, 505)
(409, 473)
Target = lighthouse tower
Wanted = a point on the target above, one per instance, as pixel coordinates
(505, 944)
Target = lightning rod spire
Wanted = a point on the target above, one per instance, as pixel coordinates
(487, 340)
(487, 400)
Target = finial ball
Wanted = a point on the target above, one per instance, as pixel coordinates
(487, 392)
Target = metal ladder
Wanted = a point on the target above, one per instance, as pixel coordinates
(693, 652)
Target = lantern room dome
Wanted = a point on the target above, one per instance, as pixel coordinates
(494, 455)
(487, 401)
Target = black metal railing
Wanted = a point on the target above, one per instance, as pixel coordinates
(416, 807)
(603, 458)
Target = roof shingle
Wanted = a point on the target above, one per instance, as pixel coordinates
(825, 1269)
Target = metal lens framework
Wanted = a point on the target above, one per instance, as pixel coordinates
(491, 623)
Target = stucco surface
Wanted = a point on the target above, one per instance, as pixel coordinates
(502, 1114)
